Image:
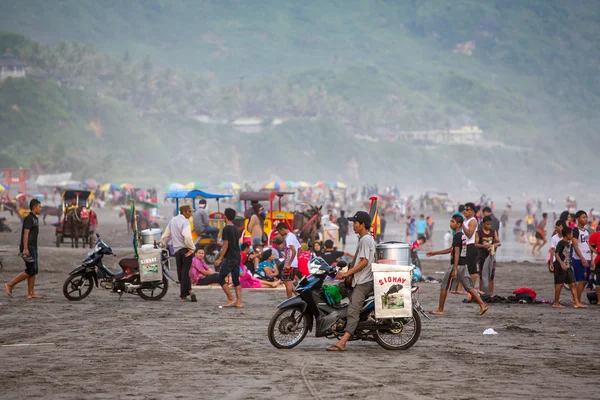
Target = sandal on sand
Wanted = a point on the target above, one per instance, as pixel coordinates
(229, 305)
(483, 311)
(335, 347)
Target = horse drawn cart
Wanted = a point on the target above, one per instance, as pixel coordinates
(76, 216)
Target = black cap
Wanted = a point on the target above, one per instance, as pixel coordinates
(202, 201)
(362, 217)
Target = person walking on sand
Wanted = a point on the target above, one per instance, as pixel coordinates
(180, 233)
(28, 250)
(540, 236)
(563, 271)
(230, 260)
(458, 270)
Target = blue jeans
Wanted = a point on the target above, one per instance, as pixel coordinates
(212, 231)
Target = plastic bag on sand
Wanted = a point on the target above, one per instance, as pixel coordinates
(490, 331)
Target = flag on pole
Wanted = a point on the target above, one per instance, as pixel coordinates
(134, 227)
(373, 214)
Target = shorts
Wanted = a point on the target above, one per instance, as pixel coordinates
(481, 262)
(471, 259)
(539, 236)
(461, 276)
(582, 274)
(562, 276)
(343, 238)
(230, 267)
(31, 268)
(257, 242)
(597, 270)
(289, 274)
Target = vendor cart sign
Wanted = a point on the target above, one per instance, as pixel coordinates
(150, 268)
(392, 287)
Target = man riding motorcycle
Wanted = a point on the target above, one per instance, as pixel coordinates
(361, 275)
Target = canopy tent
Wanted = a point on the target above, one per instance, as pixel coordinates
(192, 194)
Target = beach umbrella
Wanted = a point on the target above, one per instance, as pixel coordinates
(174, 186)
(3, 188)
(274, 185)
(127, 186)
(229, 185)
(330, 185)
(195, 185)
(90, 183)
(302, 184)
(107, 186)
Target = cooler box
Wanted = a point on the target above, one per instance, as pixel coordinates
(392, 287)
(149, 262)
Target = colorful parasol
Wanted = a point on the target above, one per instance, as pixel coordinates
(330, 185)
(90, 183)
(195, 185)
(229, 185)
(174, 186)
(3, 188)
(274, 185)
(127, 186)
(108, 186)
(302, 184)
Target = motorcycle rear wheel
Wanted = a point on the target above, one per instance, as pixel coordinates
(403, 335)
(154, 290)
(78, 287)
(288, 327)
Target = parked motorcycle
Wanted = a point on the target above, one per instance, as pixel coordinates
(309, 309)
(92, 271)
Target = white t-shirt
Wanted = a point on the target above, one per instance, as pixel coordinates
(470, 240)
(553, 242)
(583, 237)
(291, 240)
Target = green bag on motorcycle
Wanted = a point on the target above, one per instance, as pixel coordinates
(332, 294)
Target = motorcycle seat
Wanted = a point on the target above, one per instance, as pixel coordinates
(131, 263)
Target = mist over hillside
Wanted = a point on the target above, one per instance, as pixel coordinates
(185, 90)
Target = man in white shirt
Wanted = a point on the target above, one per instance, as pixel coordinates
(180, 233)
(290, 263)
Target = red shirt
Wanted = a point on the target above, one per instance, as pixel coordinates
(415, 246)
(594, 240)
(303, 259)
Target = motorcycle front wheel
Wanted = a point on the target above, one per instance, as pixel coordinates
(288, 327)
(78, 287)
(399, 333)
(154, 290)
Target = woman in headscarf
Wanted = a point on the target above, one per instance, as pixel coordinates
(256, 226)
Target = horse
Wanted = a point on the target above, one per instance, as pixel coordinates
(52, 211)
(142, 222)
(307, 223)
(77, 222)
(11, 208)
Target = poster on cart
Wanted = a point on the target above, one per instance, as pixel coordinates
(392, 287)
(149, 261)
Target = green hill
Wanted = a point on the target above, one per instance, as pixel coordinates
(526, 72)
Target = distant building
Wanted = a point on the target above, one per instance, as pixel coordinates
(462, 135)
(11, 67)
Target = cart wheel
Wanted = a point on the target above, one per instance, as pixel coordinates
(90, 242)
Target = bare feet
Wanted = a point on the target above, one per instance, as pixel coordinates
(229, 303)
(437, 312)
(239, 304)
(457, 292)
(579, 305)
(8, 290)
(33, 296)
(557, 305)
(483, 310)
